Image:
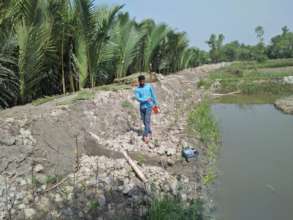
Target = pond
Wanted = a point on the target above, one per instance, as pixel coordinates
(255, 163)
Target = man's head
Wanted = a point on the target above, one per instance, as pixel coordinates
(141, 80)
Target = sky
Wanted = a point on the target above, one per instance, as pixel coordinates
(236, 19)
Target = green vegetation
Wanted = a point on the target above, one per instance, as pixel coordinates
(41, 101)
(245, 99)
(210, 176)
(51, 180)
(84, 95)
(252, 78)
(167, 209)
(113, 87)
(202, 122)
(93, 205)
(127, 104)
(279, 47)
(56, 47)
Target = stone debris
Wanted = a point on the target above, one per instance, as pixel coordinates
(288, 79)
(41, 144)
(285, 104)
(96, 178)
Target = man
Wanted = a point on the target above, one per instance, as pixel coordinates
(145, 95)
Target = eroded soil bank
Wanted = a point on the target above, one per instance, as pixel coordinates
(285, 104)
(62, 160)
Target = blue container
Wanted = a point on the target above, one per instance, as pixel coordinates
(189, 153)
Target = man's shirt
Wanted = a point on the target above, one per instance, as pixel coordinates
(142, 94)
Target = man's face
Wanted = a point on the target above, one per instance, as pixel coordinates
(141, 82)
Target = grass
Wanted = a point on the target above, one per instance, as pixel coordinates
(113, 87)
(252, 78)
(276, 63)
(81, 95)
(43, 100)
(210, 176)
(126, 104)
(50, 180)
(174, 209)
(202, 121)
(242, 99)
(84, 95)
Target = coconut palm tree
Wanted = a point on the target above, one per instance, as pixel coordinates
(50, 47)
(8, 76)
(33, 36)
(126, 42)
(155, 34)
(95, 26)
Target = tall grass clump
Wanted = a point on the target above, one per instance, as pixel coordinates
(201, 120)
(174, 209)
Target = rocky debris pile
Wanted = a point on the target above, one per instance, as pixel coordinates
(40, 144)
(16, 146)
(54, 129)
(285, 104)
(101, 187)
(130, 141)
(288, 79)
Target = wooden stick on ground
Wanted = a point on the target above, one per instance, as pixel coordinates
(230, 93)
(57, 184)
(138, 172)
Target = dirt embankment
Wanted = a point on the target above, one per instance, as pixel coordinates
(285, 104)
(81, 144)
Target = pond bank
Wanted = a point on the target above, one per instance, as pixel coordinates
(285, 104)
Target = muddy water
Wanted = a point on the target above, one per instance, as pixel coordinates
(255, 163)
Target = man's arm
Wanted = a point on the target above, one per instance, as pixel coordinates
(153, 94)
(138, 98)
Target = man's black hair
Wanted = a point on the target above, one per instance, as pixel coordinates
(141, 77)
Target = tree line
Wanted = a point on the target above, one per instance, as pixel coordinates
(280, 46)
(50, 47)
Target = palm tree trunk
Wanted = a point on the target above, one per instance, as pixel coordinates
(62, 63)
(21, 88)
(69, 68)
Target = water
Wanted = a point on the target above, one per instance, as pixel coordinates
(255, 163)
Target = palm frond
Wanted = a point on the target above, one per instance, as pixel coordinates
(80, 59)
(127, 41)
(34, 43)
(153, 39)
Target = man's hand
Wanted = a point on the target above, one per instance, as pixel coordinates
(149, 99)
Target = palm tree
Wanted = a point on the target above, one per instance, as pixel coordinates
(155, 34)
(8, 77)
(126, 40)
(94, 29)
(49, 47)
(33, 43)
(61, 16)
(33, 37)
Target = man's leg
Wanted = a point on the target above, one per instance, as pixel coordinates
(148, 114)
(143, 118)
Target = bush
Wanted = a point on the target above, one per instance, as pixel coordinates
(201, 120)
(174, 209)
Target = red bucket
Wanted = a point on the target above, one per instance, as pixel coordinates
(156, 109)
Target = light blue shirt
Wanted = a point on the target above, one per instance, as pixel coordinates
(142, 94)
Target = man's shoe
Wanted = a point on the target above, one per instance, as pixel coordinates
(146, 140)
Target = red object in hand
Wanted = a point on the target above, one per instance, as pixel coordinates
(156, 109)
